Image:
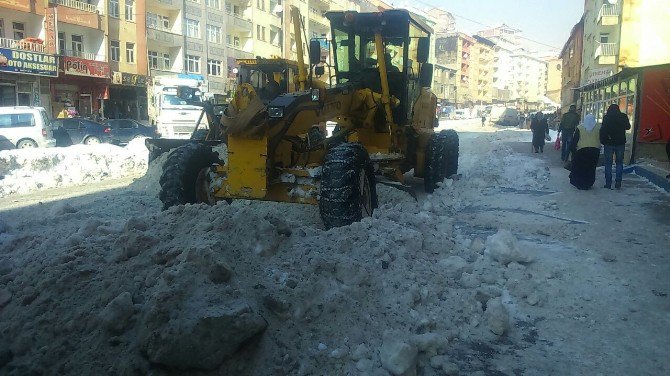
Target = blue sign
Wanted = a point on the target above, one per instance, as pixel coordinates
(28, 62)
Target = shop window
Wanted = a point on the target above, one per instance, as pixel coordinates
(153, 59)
(115, 50)
(130, 10)
(114, 9)
(214, 67)
(19, 30)
(130, 52)
(77, 45)
(24, 92)
(192, 64)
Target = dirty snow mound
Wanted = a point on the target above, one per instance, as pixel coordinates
(24, 171)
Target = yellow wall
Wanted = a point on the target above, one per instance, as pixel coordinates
(645, 33)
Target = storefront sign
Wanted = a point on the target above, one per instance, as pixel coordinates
(82, 67)
(130, 79)
(50, 30)
(598, 74)
(26, 62)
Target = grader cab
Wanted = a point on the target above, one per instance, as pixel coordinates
(277, 148)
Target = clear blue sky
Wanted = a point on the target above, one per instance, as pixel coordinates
(547, 21)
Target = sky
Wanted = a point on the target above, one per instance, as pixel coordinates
(546, 21)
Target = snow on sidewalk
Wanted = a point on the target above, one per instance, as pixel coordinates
(27, 170)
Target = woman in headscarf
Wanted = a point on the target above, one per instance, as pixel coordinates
(585, 152)
(540, 130)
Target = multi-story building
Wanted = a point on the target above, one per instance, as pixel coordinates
(482, 82)
(444, 83)
(571, 57)
(530, 75)
(455, 52)
(553, 79)
(602, 26)
(23, 34)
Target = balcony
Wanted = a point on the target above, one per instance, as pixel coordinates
(237, 22)
(82, 55)
(168, 4)
(236, 52)
(606, 53)
(164, 38)
(317, 19)
(76, 4)
(609, 15)
(22, 44)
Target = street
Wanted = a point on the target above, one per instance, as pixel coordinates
(508, 270)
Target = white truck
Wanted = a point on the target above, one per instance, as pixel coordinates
(173, 116)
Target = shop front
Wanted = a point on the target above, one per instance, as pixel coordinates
(127, 97)
(24, 77)
(81, 88)
(643, 93)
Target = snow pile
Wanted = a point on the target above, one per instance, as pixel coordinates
(29, 170)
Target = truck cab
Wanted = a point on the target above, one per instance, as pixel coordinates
(175, 105)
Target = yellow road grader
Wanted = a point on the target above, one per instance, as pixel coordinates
(277, 148)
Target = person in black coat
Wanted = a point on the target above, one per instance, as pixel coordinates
(540, 129)
(613, 137)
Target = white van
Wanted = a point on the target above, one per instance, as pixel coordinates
(25, 127)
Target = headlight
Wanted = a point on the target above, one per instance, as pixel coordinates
(276, 112)
(315, 95)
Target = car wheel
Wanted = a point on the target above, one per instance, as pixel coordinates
(26, 144)
(91, 140)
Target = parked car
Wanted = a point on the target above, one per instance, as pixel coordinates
(72, 131)
(124, 130)
(25, 127)
(461, 114)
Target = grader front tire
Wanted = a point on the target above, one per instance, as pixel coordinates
(434, 168)
(450, 148)
(348, 192)
(180, 173)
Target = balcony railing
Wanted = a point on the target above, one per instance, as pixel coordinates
(21, 45)
(79, 54)
(606, 49)
(609, 10)
(76, 4)
(237, 52)
(239, 21)
(159, 27)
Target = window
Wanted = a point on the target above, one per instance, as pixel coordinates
(260, 4)
(229, 39)
(236, 41)
(216, 4)
(130, 52)
(157, 21)
(153, 59)
(192, 64)
(260, 32)
(2, 28)
(115, 50)
(214, 67)
(19, 30)
(61, 43)
(167, 65)
(604, 38)
(77, 45)
(130, 10)
(192, 28)
(274, 36)
(213, 34)
(17, 120)
(114, 10)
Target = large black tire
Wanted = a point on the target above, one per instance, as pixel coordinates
(450, 147)
(348, 191)
(180, 173)
(433, 172)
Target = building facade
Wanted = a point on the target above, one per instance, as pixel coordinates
(571, 59)
(601, 40)
(482, 82)
(455, 52)
(553, 78)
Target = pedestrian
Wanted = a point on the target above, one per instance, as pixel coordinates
(613, 138)
(566, 129)
(540, 129)
(585, 153)
(483, 119)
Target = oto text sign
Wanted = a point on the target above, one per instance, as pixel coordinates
(26, 62)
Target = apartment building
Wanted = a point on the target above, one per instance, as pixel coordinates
(482, 82)
(444, 83)
(553, 78)
(23, 32)
(602, 30)
(571, 57)
(455, 51)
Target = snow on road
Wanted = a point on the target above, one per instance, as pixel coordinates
(493, 274)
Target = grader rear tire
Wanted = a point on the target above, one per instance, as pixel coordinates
(348, 192)
(450, 147)
(434, 168)
(180, 173)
